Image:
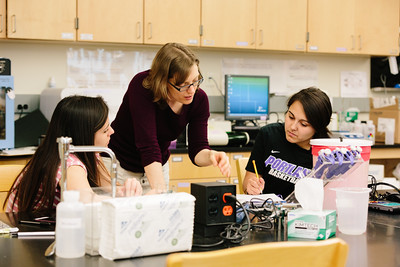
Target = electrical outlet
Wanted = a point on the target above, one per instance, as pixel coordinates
(26, 103)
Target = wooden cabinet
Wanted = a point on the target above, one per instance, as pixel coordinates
(228, 23)
(255, 24)
(41, 19)
(172, 21)
(3, 26)
(119, 21)
(281, 25)
(353, 27)
(377, 27)
(23, 160)
(182, 172)
(361, 27)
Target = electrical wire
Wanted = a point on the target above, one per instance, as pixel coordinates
(374, 195)
(235, 233)
(216, 85)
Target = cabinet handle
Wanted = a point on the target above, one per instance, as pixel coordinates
(177, 159)
(150, 28)
(1, 22)
(237, 156)
(14, 28)
(254, 36)
(261, 37)
(139, 32)
(360, 42)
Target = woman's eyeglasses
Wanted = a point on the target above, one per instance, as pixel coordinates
(195, 84)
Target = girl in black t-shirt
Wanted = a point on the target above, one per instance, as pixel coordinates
(282, 152)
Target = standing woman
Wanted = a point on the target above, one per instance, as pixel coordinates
(156, 108)
(37, 188)
(282, 152)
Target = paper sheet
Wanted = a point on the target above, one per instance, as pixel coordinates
(353, 84)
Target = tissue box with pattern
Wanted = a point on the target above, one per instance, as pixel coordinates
(146, 225)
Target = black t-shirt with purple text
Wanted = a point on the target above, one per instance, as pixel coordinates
(280, 162)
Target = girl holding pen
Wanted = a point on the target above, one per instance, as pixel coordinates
(282, 151)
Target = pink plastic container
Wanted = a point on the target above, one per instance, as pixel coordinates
(357, 177)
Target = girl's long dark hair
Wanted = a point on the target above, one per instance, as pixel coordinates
(78, 117)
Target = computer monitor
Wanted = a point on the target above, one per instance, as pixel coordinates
(246, 98)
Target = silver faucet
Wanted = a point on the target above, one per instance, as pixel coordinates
(65, 148)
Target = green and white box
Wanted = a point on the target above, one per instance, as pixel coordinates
(312, 224)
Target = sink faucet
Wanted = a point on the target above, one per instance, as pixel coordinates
(65, 148)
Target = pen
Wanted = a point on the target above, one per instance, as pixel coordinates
(255, 169)
(32, 234)
(35, 222)
(45, 219)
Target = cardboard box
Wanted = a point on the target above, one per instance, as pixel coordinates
(382, 115)
(312, 224)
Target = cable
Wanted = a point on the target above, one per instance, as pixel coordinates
(265, 214)
(374, 195)
(234, 232)
(209, 245)
(216, 85)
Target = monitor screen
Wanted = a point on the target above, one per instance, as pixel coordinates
(246, 97)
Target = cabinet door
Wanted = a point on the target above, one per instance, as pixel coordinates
(281, 25)
(2, 18)
(331, 26)
(228, 23)
(41, 19)
(172, 21)
(180, 167)
(233, 156)
(377, 27)
(119, 21)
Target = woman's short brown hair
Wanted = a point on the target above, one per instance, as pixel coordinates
(173, 60)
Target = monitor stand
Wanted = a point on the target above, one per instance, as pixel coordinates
(240, 125)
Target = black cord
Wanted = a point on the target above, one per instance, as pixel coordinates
(209, 245)
(374, 195)
(235, 233)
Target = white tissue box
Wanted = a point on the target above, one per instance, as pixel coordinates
(146, 225)
(312, 224)
(92, 227)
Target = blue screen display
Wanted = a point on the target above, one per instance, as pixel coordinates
(246, 97)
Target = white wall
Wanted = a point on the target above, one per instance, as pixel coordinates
(33, 63)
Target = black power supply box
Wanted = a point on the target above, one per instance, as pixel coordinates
(213, 208)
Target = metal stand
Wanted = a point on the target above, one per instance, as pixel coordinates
(65, 148)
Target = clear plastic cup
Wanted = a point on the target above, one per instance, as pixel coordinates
(352, 209)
